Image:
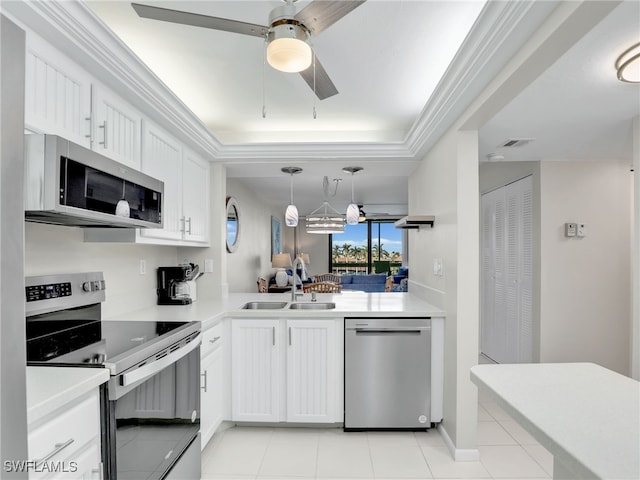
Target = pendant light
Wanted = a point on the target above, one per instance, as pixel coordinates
(326, 219)
(291, 214)
(353, 210)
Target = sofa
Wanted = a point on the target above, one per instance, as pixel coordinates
(364, 283)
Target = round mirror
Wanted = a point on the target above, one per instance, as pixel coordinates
(233, 224)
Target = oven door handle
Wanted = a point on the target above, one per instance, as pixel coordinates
(152, 368)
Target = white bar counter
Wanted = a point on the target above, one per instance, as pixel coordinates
(587, 416)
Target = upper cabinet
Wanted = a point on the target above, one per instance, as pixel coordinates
(63, 99)
(186, 187)
(57, 94)
(116, 127)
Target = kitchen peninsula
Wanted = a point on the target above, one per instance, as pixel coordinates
(259, 349)
(587, 416)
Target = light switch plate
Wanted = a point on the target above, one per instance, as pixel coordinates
(581, 230)
(208, 265)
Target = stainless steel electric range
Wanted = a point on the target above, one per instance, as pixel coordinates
(151, 404)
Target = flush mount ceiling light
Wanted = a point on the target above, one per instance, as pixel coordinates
(628, 65)
(353, 211)
(291, 214)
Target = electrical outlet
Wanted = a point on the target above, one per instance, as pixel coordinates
(438, 269)
(143, 267)
(581, 230)
(570, 229)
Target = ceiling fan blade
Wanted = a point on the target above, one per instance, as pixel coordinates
(198, 20)
(324, 86)
(321, 14)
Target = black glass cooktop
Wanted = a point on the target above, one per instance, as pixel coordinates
(88, 341)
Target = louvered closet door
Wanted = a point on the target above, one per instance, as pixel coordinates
(507, 270)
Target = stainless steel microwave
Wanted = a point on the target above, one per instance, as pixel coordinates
(67, 184)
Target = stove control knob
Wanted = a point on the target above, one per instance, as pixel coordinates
(87, 286)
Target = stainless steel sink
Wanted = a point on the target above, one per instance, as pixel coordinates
(312, 306)
(264, 305)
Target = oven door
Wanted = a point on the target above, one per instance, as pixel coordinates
(154, 416)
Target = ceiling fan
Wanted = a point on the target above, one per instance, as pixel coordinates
(286, 35)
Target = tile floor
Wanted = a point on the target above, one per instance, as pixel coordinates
(506, 452)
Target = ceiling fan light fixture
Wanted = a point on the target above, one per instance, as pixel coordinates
(287, 48)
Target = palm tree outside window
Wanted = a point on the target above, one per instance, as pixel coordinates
(367, 247)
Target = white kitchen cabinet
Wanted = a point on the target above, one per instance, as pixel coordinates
(286, 370)
(116, 127)
(57, 93)
(311, 370)
(212, 386)
(195, 197)
(186, 187)
(255, 370)
(162, 159)
(68, 440)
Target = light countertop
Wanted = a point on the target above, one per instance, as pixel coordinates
(49, 388)
(347, 304)
(587, 416)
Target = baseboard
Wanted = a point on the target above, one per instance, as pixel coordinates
(459, 454)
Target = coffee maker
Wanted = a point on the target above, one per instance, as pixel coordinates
(173, 286)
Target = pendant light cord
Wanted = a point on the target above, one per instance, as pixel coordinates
(264, 74)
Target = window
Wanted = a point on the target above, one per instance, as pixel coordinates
(373, 246)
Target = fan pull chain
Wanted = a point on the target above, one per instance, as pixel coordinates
(264, 73)
(314, 84)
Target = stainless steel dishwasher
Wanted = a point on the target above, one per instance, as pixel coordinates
(387, 373)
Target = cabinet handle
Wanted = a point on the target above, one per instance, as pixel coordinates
(104, 128)
(90, 134)
(273, 329)
(204, 375)
(57, 448)
(215, 339)
(289, 336)
(183, 221)
(185, 225)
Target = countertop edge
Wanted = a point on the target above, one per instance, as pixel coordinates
(44, 396)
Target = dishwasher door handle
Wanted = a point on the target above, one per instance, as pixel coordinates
(408, 331)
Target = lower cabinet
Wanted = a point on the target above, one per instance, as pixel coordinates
(66, 443)
(212, 388)
(286, 370)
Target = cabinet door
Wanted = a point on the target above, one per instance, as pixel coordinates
(116, 127)
(311, 371)
(211, 394)
(57, 93)
(255, 379)
(195, 197)
(162, 159)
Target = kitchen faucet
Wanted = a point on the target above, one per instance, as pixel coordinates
(303, 276)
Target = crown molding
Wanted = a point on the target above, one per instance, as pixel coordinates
(73, 28)
(497, 34)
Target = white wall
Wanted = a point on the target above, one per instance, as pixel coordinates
(445, 185)
(317, 246)
(253, 256)
(585, 292)
(57, 249)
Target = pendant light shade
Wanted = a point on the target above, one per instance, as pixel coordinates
(291, 214)
(353, 211)
(353, 214)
